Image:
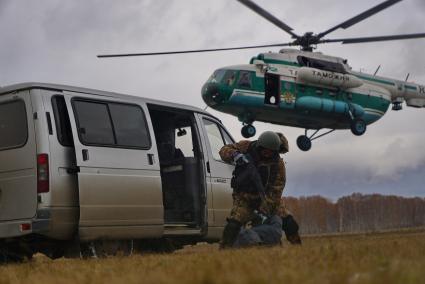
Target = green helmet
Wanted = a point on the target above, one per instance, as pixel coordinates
(269, 140)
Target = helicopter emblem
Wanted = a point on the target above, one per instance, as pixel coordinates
(288, 97)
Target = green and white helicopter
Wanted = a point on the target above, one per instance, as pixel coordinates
(306, 89)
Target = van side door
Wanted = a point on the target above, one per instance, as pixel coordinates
(220, 173)
(119, 176)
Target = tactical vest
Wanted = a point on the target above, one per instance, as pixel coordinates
(267, 169)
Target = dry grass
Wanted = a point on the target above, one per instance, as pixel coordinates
(372, 258)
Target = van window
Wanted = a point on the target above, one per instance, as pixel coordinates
(63, 125)
(93, 122)
(215, 137)
(129, 125)
(184, 141)
(111, 124)
(13, 125)
(227, 138)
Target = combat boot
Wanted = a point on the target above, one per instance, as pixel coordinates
(230, 233)
(290, 227)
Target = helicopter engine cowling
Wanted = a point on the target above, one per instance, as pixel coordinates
(327, 79)
(329, 106)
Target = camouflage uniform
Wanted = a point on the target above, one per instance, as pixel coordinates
(244, 203)
(289, 225)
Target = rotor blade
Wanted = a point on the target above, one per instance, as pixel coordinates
(192, 51)
(362, 16)
(374, 38)
(260, 11)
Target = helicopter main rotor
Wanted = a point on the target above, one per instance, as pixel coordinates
(306, 41)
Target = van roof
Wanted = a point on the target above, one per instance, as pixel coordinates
(58, 87)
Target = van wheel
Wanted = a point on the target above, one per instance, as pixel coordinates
(163, 245)
(106, 248)
(8, 256)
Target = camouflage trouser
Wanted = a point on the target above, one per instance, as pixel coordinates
(283, 211)
(244, 205)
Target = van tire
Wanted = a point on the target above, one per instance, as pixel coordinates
(14, 253)
(106, 248)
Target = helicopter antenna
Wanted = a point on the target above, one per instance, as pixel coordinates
(407, 77)
(377, 69)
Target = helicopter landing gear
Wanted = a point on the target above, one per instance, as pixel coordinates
(358, 127)
(304, 141)
(247, 118)
(248, 131)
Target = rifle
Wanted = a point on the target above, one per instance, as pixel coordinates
(247, 179)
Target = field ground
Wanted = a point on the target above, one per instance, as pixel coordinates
(392, 257)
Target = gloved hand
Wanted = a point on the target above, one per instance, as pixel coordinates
(240, 159)
(260, 217)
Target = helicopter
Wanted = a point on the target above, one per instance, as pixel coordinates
(303, 88)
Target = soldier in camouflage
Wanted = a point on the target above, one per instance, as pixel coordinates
(264, 153)
(289, 225)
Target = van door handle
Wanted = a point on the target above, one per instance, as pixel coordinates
(151, 159)
(85, 153)
(73, 170)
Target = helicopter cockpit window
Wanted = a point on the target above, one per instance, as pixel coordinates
(217, 76)
(321, 64)
(245, 79)
(229, 78)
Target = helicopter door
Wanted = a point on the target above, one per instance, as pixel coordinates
(272, 89)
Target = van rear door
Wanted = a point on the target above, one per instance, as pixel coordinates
(119, 176)
(18, 163)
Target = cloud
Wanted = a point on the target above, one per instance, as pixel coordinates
(57, 41)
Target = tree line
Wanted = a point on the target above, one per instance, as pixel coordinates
(356, 213)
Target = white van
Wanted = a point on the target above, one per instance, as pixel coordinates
(82, 166)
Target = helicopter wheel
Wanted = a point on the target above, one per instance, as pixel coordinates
(358, 127)
(248, 131)
(304, 143)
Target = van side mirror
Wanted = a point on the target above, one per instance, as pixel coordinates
(181, 132)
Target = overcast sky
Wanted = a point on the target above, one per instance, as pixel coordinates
(56, 41)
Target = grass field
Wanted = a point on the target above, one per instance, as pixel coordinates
(394, 257)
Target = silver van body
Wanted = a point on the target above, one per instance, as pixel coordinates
(83, 164)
